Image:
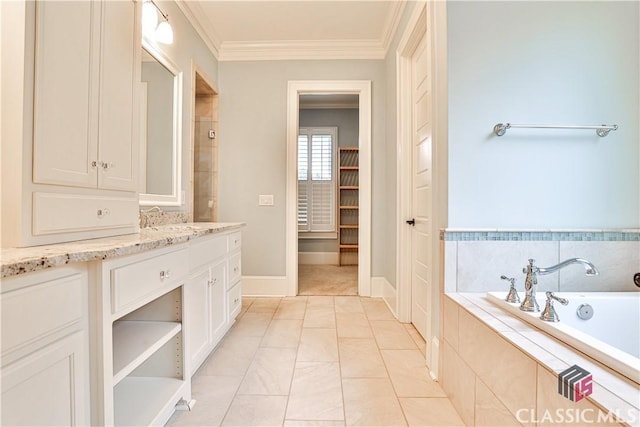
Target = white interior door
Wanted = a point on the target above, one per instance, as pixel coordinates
(421, 194)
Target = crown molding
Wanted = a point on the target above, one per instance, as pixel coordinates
(194, 14)
(393, 21)
(301, 50)
(291, 49)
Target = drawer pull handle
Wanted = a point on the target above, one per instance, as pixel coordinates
(103, 212)
(165, 274)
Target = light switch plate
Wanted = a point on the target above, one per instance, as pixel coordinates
(265, 200)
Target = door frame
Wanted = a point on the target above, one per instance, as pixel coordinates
(428, 18)
(362, 88)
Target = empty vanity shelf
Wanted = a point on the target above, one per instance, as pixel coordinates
(134, 341)
(137, 399)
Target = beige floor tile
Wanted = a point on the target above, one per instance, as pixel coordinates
(376, 309)
(213, 396)
(353, 325)
(320, 300)
(409, 374)
(232, 357)
(348, 305)
(291, 308)
(256, 411)
(283, 333)
(360, 358)
(371, 402)
(270, 372)
(416, 337)
(430, 412)
(312, 423)
(264, 305)
(319, 316)
(318, 345)
(316, 392)
(251, 325)
(391, 335)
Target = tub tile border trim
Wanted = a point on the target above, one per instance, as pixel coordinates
(541, 235)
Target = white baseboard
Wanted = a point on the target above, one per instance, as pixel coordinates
(331, 258)
(264, 286)
(435, 358)
(381, 288)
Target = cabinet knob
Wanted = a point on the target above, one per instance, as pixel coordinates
(107, 165)
(103, 212)
(235, 269)
(94, 164)
(165, 274)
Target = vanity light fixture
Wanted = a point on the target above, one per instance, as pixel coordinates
(162, 32)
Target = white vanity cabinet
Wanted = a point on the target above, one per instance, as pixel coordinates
(213, 294)
(142, 373)
(73, 124)
(45, 348)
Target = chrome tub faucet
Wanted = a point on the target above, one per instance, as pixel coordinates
(531, 280)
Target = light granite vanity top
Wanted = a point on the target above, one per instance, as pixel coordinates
(15, 261)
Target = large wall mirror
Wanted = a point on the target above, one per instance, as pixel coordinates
(160, 130)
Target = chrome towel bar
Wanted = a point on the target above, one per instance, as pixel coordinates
(601, 130)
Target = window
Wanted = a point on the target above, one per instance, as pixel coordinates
(317, 180)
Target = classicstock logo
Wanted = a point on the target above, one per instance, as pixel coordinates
(575, 383)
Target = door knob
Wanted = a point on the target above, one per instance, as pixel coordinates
(411, 222)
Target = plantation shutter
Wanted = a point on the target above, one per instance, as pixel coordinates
(316, 180)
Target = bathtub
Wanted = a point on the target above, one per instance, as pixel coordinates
(611, 336)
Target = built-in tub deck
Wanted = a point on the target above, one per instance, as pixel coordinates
(611, 335)
(612, 392)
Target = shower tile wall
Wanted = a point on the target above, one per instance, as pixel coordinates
(206, 164)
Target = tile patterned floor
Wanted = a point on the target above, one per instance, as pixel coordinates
(317, 361)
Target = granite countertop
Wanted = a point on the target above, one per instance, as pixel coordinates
(15, 261)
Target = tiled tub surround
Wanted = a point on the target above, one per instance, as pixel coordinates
(500, 371)
(475, 260)
(494, 364)
(15, 261)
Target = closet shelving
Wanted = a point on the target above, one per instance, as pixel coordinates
(348, 205)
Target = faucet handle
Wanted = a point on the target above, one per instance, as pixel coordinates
(550, 295)
(512, 296)
(549, 313)
(510, 279)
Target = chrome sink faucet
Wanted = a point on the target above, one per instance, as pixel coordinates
(532, 271)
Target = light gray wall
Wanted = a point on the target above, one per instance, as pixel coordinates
(187, 48)
(543, 62)
(253, 120)
(346, 120)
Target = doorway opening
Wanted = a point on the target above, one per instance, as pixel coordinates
(328, 199)
(356, 237)
(205, 150)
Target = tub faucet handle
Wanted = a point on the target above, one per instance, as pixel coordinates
(512, 296)
(549, 313)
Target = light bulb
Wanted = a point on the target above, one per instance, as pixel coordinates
(149, 17)
(164, 33)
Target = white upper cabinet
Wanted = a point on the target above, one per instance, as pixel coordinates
(85, 94)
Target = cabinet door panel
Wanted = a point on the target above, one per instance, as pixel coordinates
(117, 141)
(217, 294)
(49, 387)
(65, 102)
(197, 318)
